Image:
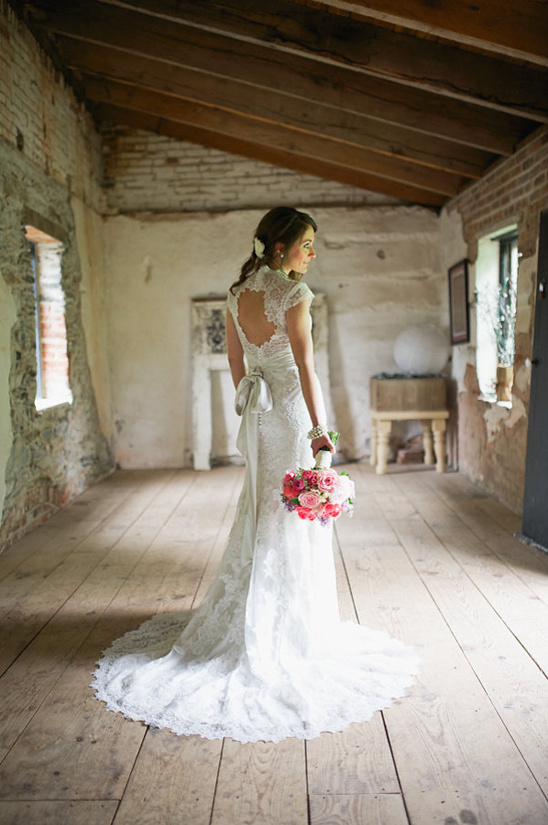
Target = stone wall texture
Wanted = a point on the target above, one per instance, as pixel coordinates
(493, 439)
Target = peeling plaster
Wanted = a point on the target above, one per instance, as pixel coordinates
(461, 358)
(522, 377)
(496, 416)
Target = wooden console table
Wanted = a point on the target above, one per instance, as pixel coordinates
(408, 399)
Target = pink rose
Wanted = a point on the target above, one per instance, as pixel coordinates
(304, 513)
(331, 511)
(308, 476)
(309, 500)
(328, 480)
(298, 485)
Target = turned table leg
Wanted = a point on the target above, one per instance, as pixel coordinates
(427, 441)
(383, 434)
(438, 425)
(373, 456)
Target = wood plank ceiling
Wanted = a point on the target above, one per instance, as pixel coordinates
(408, 98)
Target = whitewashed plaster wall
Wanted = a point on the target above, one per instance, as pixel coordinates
(156, 266)
(88, 227)
(379, 267)
(453, 248)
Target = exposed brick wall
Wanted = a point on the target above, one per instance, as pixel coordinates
(514, 192)
(40, 115)
(53, 331)
(148, 172)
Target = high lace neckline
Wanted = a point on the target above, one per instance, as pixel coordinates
(266, 269)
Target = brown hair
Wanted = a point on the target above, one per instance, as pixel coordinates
(284, 225)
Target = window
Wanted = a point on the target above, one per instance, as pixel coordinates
(52, 367)
(496, 290)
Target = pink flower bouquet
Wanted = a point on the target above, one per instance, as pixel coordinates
(318, 494)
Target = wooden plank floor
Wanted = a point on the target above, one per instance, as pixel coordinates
(425, 557)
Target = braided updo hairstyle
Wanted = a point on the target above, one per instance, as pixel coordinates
(284, 225)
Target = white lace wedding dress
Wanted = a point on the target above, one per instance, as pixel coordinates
(265, 655)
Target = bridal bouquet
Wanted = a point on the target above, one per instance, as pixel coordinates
(321, 493)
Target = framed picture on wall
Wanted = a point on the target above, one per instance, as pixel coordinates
(458, 303)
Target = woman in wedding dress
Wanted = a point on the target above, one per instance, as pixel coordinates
(265, 656)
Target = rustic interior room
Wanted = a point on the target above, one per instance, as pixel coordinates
(140, 143)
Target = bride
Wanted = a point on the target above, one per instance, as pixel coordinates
(265, 656)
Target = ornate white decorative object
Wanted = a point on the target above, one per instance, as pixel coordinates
(421, 350)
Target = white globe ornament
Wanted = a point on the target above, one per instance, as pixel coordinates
(421, 350)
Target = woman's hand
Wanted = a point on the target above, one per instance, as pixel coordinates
(322, 441)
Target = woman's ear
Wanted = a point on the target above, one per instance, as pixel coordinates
(278, 247)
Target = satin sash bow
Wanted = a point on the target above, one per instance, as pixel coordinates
(254, 390)
(253, 395)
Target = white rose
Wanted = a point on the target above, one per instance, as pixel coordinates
(259, 247)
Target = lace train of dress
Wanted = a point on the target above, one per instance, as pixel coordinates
(265, 656)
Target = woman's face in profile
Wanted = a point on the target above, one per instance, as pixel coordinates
(298, 256)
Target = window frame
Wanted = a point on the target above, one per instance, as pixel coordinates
(36, 238)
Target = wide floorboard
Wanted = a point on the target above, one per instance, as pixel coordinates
(426, 557)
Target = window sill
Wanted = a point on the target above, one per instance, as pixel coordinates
(42, 404)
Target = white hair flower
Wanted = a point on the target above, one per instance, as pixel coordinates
(259, 247)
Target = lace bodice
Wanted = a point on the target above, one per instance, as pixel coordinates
(280, 294)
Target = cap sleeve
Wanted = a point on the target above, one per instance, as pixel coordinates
(300, 292)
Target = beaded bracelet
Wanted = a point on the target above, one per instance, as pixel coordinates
(317, 432)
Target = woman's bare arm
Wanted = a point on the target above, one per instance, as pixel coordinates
(235, 350)
(300, 338)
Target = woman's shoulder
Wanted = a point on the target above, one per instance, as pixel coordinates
(298, 292)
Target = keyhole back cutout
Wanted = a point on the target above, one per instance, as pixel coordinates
(252, 318)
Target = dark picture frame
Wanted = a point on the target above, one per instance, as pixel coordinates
(459, 313)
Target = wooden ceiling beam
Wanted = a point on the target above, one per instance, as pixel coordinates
(333, 39)
(313, 85)
(212, 90)
(343, 89)
(266, 154)
(519, 29)
(273, 135)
